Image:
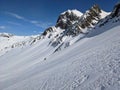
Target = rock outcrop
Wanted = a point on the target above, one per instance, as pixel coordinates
(116, 10)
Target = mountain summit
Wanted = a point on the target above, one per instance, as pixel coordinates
(75, 20)
(68, 18)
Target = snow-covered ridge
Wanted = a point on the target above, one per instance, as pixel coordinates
(9, 41)
(78, 22)
(7, 35)
(74, 11)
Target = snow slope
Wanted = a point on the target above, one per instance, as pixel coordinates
(91, 63)
(6, 42)
(9, 41)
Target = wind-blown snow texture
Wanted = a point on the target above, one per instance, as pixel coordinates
(90, 63)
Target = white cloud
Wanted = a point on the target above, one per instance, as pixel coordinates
(34, 22)
(2, 27)
(15, 15)
(14, 23)
(40, 32)
(43, 25)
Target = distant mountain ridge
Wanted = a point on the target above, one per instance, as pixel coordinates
(9, 41)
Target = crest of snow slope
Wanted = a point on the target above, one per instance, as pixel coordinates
(6, 42)
(93, 63)
(9, 41)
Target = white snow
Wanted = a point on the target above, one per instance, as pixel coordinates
(104, 14)
(74, 11)
(9, 41)
(91, 63)
(78, 13)
(6, 42)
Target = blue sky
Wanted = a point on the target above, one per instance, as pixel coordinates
(30, 17)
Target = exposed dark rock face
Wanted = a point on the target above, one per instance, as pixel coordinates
(66, 19)
(116, 11)
(74, 23)
(90, 18)
(48, 30)
(71, 24)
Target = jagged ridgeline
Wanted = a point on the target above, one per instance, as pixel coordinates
(72, 23)
(75, 22)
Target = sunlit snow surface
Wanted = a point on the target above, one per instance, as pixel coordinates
(92, 63)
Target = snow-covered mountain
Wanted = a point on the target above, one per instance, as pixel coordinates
(73, 25)
(75, 22)
(10, 41)
(66, 56)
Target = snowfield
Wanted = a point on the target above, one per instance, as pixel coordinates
(92, 63)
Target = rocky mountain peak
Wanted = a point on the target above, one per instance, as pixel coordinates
(73, 22)
(49, 30)
(87, 20)
(67, 18)
(96, 8)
